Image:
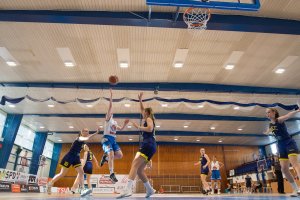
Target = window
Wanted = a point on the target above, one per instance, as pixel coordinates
(48, 149)
(274, 149)
(2, 122)
(25, 137)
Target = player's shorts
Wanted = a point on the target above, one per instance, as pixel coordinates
(70, 159)
(88, 167)
(287, 148)
(109, 144)
(215, 175)
(148, 148)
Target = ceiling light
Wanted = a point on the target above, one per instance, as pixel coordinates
(50, 105)
(220, 141)
(157, 126)
(178, 65)
(130, 139)
(200, 106)
(69, 64)
(198, 140)
(11, 63)
(124, 65)
(175, 139)
(101, 126)
(185, 126)
(279, 71)
(59, 140)
(89, 105)
(42, 127)
(71, 127)
(240, 129)
(212, 128)
(236, 108)
(127, 105)
(229, 66)
(129, 126)
(164, 105)
(11, 105)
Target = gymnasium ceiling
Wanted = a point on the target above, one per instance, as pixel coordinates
(152, 51)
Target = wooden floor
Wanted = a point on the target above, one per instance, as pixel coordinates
(42, 196)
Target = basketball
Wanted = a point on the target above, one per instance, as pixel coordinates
(113, 80)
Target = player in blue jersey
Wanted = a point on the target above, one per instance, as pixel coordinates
(72, 158)
(287, 147)
(145, 153)
(204, 162)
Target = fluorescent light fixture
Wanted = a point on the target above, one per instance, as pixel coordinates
(179, 58)
(71, 127)
(51, 105)
(198, 140)
(11, 105)
(220, 141)
(279, 71)
(66, 56)
(178, 65)
(89, 105)
(229, 66)
(212, 128)
(69, 64)
(175, 139)
(124, 65)
(200, 106)
(157, 126)
(100, 126)
(130, 139)
(42, 127)
(60, 140)
(185, 126)
(164, 105)
(129, 126)
(127, 105)
(236, 108)
(11, 63)
(240, 129)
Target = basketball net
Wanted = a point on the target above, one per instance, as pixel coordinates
(196, 19)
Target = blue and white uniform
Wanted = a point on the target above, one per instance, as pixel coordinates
(109, 136)
(215, 170)
(148, 147)
(286, 145)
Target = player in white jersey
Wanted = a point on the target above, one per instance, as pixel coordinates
(110, 147)
(215, 167)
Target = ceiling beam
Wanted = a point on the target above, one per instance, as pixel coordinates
(165, 116)
(158, 19)
(177, 133)
(161, 86)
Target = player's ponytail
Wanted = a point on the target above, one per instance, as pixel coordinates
(151, 114)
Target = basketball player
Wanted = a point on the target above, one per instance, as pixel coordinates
(145, 153)
(87, 162)
(204, 169)
(215, 167)
(110, 147)
(73, 158)
(287, 147)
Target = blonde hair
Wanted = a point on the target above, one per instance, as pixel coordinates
(151, 114)
(275, 111)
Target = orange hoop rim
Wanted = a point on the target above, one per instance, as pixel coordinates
(200, 23)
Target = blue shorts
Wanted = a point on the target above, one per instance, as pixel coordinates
(147, 149)
(204, 170)
(215, 175)
(287, 148)
(109, 144)
(88, 167)
(70, 159)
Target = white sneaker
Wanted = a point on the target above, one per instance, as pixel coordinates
(295, 193)
(125, 193)
(212, 192)
(219, 192)
(148, 194)
(85, 192)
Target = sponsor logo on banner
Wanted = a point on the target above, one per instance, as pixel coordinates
(62, 190)
(15, 188)
(42, 181)
(33, 188)
(5, 187)
(13, 176)
(24, 188)
(104, 190)
(32, 179)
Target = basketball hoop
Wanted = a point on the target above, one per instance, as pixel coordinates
(196, 18)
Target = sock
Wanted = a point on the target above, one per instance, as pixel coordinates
(148, 186)
(106, 158)
(295, 186)
(129, 184)
(111, 170)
